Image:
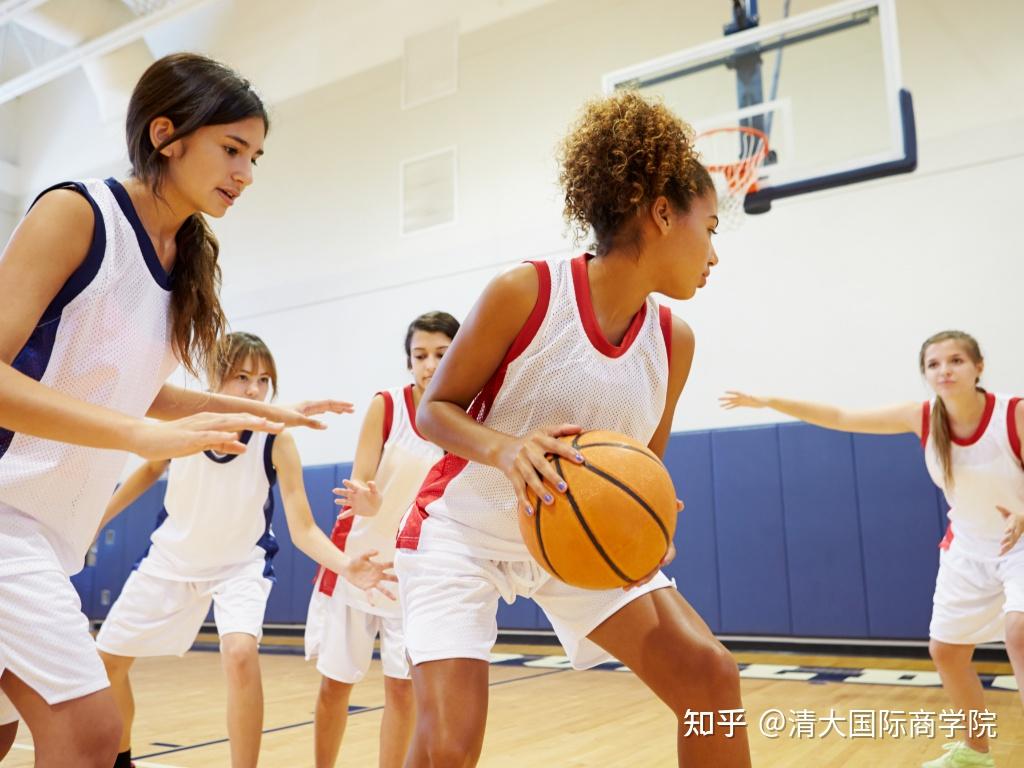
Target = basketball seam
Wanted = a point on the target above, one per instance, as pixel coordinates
(540, 536)
(632, 494)
(590, 534)
(625, 446)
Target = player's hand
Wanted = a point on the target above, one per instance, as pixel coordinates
(299, 414)
(360, 498)
(524, 462)
(1013, 531)
(155, 440)
(369, 574)
(670, 555)
(733, 399)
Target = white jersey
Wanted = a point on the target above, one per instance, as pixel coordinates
(406, 458)
(986, 472)
(560, 368)
(105, 339)
(216, 516)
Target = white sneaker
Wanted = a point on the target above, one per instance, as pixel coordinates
(959, 755)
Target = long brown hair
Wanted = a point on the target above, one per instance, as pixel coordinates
(192, 91)
(939, 424)
(231, 354)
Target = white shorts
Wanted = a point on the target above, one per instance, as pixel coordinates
(161, 617)
(450, 605)
(972, 597)
(342, 637)
(45, 639)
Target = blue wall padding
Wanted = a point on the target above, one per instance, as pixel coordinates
(819, 495)
(751, 545)
(900, 528)
(695, 569)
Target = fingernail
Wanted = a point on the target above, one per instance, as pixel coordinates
(529, 510)
(579, 457)
(562, 486)
(548, 498)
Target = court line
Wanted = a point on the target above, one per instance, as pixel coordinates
(359, 711)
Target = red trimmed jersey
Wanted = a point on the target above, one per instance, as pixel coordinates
(986, 473)
(406, 458)
(560, 368)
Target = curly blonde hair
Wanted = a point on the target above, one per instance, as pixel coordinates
(622, 153)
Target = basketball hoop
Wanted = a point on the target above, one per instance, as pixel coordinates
(733, 156)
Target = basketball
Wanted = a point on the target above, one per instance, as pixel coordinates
(614, 524)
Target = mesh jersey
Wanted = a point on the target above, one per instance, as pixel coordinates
(986, 472)
(217, 514)
(560, 368)
(105, 339)
(405, 459)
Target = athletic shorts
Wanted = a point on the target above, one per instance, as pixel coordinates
(450, 605)
(972, 597)
(161, 617)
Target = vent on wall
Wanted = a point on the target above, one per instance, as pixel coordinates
(430, 65)
(428, 191)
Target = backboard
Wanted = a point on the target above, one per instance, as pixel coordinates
(824, 86)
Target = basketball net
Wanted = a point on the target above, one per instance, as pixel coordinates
(734, 174)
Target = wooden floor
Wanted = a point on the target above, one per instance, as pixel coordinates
(541, 716)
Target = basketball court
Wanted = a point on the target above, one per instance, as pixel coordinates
(812, 555)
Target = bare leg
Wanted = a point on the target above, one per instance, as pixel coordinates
(961, 683)
(1015, 647)
(82, 732)
(330, 720)
(670, 648)
(451, 713)
(240, 656)
(8, 731)
(121, 687)
(397, 723)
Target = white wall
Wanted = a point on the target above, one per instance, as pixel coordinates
(826, 297)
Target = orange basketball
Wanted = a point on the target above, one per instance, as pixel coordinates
(614, 524)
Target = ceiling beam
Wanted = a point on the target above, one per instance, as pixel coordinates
(51, 70)
(10, 9)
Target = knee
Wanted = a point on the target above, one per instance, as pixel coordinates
(450, 754)
(721, 673)
(945, 654)
(239, 658)
(1015, 635)
(334, 692)
(448, 747)
(711, 664)
(95, 744)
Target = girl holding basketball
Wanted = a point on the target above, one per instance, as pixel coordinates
(392, 459)
(214, 541)
(972, 450)
(551, 348)
(105, 288)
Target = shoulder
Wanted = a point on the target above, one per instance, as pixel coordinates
(284, 444)
(62, 220)
(512, 302)
(683, 339)
(520, 285)
(679, 338)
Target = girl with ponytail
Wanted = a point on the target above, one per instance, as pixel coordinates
(972, 448)
(105, 288)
